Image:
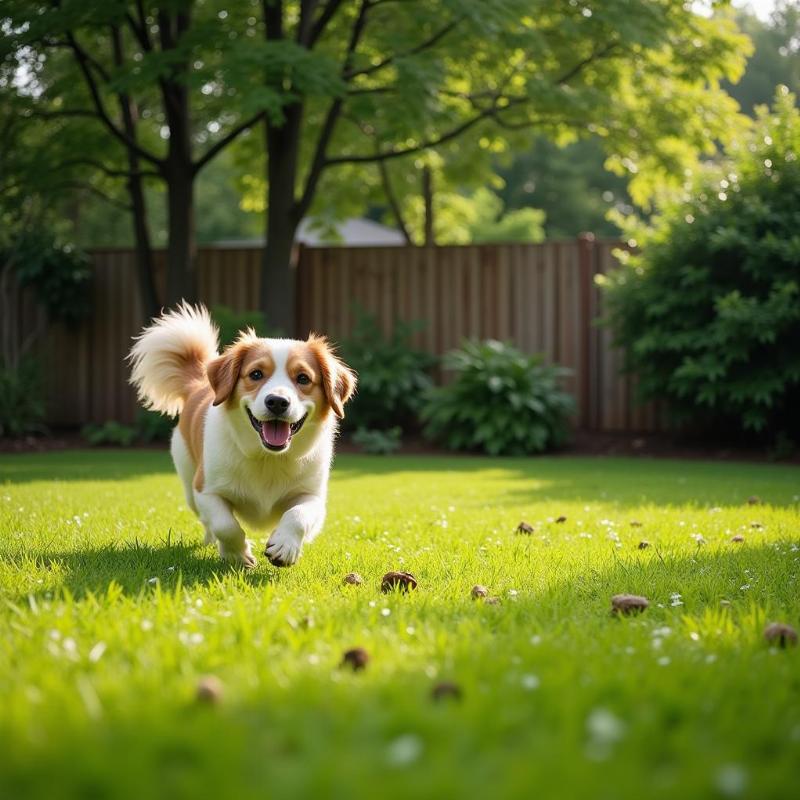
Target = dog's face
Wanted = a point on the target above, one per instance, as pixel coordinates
(283, 389)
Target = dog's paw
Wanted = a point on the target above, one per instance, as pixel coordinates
(283, 549)
(238, 558)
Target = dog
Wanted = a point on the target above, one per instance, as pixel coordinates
(254, 440)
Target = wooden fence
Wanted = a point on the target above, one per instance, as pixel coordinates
(541, 297)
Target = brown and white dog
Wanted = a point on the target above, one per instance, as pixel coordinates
(254, 441)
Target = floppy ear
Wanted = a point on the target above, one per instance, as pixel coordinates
(223, 372)
(338, 380)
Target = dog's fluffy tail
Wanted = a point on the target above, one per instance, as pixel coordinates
(170, 355)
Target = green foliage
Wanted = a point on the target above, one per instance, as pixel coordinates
(109, 433)
(378, 443)
(58, 274)
(709, 312)
(500, 401)
(22, 406)
(393, 376)
(152, 426)
(231, 322)
(569, 184)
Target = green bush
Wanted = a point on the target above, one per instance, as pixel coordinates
(378, 443)
(58, 274)
(22, 407)
(109, 433)
(153, 427)
(500, 401)
(393, 376)
(709, 312)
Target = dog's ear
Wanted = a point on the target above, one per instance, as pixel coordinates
(223, 372)
(338, 380)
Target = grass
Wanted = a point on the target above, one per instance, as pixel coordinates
(111, 611)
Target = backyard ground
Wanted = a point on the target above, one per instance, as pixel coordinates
(111, 611)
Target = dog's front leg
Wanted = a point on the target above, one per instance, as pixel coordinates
(300, 522)
(217, 518)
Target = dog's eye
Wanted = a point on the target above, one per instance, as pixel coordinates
(256, 375)
(303, 379)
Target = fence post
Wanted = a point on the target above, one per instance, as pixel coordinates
(586, 257)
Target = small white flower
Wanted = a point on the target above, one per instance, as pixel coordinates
(530, 682)
(731, 780)
(663, 661)
(536, 640)
(385, 612)
(96, 653)
(404, 750)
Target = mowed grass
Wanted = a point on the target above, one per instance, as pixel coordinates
(112, 610)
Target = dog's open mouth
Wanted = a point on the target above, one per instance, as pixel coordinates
(275, 434)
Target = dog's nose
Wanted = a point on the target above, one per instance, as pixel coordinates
(276, 404)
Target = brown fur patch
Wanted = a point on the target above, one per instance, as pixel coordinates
(338, 380)
(192, 423)
(223, 372)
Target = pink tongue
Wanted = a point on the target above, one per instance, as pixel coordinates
(275, 432)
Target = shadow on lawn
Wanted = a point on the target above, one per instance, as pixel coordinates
(137, 567)
(615, 480)
(84, 465)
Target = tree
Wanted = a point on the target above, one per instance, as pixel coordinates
(146, 75)
(384, 81)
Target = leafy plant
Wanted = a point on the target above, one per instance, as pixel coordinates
(22, 406)
(378, 443)
(58, 274)
(109, 433)
(709, 312)
(393, 376)
(153, 427)
(500, 401)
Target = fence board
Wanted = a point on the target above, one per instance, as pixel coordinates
(542, 297)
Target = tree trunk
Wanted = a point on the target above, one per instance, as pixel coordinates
(179, 174)
(277, 272)
(181, 244)
(427, 193)
(145, 268)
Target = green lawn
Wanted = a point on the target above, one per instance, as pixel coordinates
(111, 611)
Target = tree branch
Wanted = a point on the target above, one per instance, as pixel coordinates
(428, 43)
(93, 190)
(581, 65)
(319, 160)
(91, 84)
(106, 170)
(318, 28)
(222, 143)
(428, 144)
(394, 204)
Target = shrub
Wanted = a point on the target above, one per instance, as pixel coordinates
(378, 443)
(22, 407)
(58, 274)
(500, 401)
(109, 433)
(709, 312)
(393, 376)
(153, 427)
